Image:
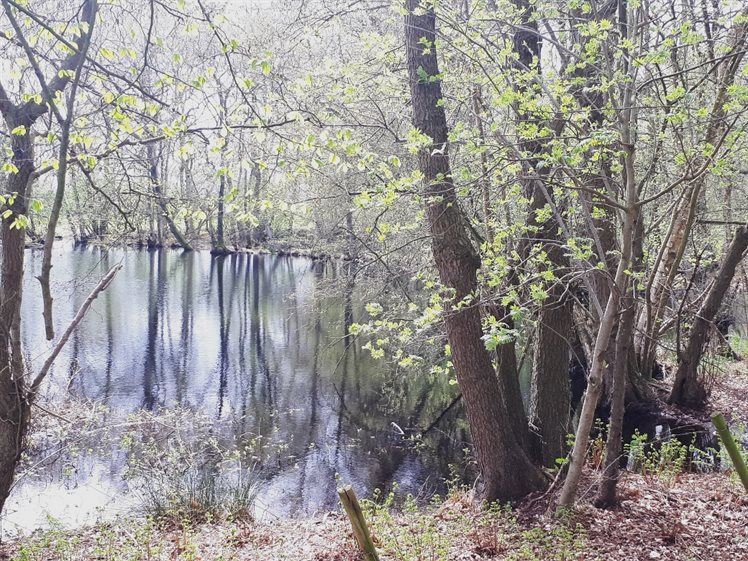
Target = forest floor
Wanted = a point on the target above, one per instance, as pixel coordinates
(691, 517)
(663, 515)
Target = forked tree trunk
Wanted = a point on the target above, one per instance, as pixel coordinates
(688, 388)
(506, 468)
(506, 354)
(618, 291)
(606, 495)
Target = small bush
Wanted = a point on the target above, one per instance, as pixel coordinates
(183, 472)
(662, 459)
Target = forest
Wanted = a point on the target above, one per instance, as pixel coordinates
(483, 260)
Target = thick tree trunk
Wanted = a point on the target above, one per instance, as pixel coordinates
(688, 388)
(14, 396)
(506, 468)
(550, 398)
(28, 113)
(506, 354)
(14, 410)
(510, 389)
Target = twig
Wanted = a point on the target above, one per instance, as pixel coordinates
(103, 285)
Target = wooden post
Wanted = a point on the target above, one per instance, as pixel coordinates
(358, 523)
(732, 447)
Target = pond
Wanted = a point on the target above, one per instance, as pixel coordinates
(257, 344)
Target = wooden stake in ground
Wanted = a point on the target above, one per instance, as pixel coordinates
(732, 447)
(358, 523)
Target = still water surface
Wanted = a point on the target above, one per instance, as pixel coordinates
(256, 342)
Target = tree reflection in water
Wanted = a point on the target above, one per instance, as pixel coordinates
(262, 344)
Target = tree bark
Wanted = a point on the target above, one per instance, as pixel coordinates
(606, 495)
(219, 243)
(44, 278)
(674, 246)
(14, 398)
(14, 410)
(617, 292)
(550, 397)
(594, 383)
(688, 388)
(507, 471)
(550, 394)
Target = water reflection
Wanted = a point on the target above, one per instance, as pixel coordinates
(258, 342)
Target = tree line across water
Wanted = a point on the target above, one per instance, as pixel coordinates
(547, 183)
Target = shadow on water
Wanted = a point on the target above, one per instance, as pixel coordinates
(260, 344)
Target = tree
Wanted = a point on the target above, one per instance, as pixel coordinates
(688, 388)
(15, 399)
(506, 468)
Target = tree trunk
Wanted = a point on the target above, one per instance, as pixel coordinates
(160, 199)
(618, 291)
(674, 246)
(14, 410)
(606, 495)
(259, 233)
(220, 244)
(688, 388)
(550, 398)
(14, 407)
(507, 470)
(485, 171)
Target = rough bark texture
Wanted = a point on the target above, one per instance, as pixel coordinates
(550, 398)
(506, 468)
(688, 388)
(510, 389)
(13, 407)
